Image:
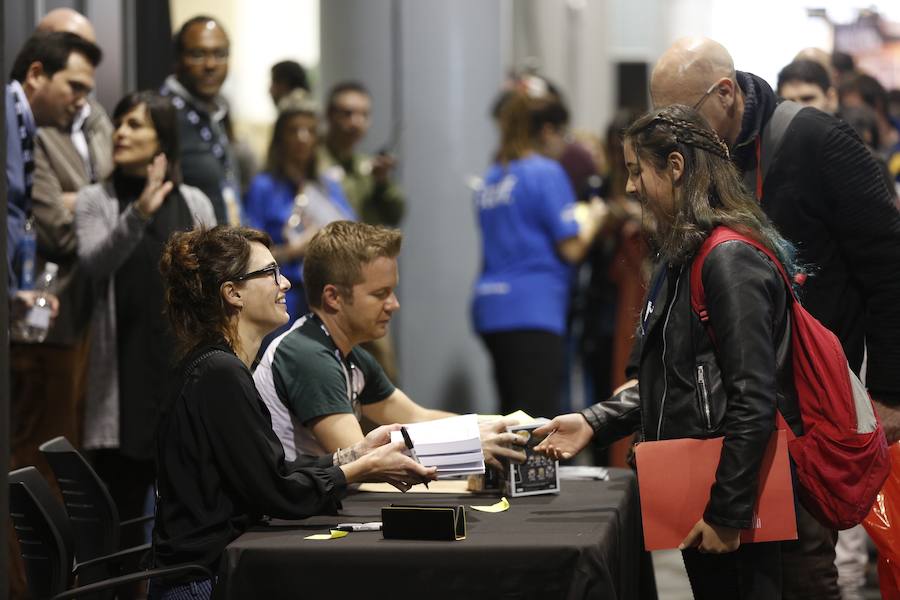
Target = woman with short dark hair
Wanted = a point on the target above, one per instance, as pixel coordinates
(221, 467)
(121, 225)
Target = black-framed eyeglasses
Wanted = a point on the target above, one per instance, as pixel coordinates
(705, 96)
(273, 270)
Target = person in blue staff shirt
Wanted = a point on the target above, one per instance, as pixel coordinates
(530, 237)
(291, 199)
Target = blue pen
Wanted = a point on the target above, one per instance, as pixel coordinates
(410, 447)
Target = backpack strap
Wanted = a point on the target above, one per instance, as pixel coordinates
(720, 235)
(769, 142)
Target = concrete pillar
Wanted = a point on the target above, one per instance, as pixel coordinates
(434, 67)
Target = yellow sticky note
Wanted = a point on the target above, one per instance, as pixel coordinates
(501, 506)
(335, 534)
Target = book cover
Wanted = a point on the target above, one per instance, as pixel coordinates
(539, 474)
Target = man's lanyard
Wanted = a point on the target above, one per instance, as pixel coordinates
(26, 142)
(349, 369)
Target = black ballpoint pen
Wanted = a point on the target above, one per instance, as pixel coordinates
(411, 448)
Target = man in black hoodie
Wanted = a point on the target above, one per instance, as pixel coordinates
(825, 193)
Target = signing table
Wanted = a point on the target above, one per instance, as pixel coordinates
(583, 543)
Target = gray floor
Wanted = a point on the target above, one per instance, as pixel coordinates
(671, 580)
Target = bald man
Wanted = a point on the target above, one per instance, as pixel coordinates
(67, 19)
(825, 193)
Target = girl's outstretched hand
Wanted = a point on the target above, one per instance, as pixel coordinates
(566, 436)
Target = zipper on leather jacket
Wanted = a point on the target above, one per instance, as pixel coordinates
(662, 404)
(704, 396)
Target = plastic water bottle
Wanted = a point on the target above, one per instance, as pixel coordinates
(297, 221)
(27, 250)
(33, 327)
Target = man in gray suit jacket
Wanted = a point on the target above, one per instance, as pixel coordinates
(66, 159)
(51, 78)
(50, 376)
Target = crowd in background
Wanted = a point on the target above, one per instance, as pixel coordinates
(565, 261)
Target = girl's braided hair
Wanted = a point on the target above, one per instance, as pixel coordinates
(692, 134)
(711, 190)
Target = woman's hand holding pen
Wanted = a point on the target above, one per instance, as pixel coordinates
(381, 460)
(566, 436)
(389, 463)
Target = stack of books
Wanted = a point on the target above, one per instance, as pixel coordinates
(453, 445)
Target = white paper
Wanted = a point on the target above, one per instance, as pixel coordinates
(452, 444)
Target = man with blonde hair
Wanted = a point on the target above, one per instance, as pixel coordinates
(316, 380)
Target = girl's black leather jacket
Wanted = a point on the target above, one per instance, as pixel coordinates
(690, 387)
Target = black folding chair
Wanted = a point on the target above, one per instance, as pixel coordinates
(46, 542)
(92, 511)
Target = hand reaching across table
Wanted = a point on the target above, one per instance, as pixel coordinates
(566, 436)
(497, 443)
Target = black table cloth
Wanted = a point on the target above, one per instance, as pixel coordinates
(583, 543)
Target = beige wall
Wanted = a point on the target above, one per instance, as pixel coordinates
(262, 32)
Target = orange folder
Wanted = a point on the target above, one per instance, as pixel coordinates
(675, 477)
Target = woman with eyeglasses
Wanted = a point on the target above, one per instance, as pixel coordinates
(221, 466)
(291, 199)
(121, 225)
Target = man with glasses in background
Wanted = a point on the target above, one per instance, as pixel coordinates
(208, 159)
(367, 180)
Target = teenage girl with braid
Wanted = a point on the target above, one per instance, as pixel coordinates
(683, 386)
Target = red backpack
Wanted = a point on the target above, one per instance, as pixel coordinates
(842, 458)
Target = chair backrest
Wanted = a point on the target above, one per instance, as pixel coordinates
(92, 513)
(42, 528)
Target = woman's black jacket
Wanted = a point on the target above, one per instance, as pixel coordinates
(690, 387)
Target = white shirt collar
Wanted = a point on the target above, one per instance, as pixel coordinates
(81, 118)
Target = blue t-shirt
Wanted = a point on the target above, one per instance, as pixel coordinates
(268, 205)
(524, 209)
